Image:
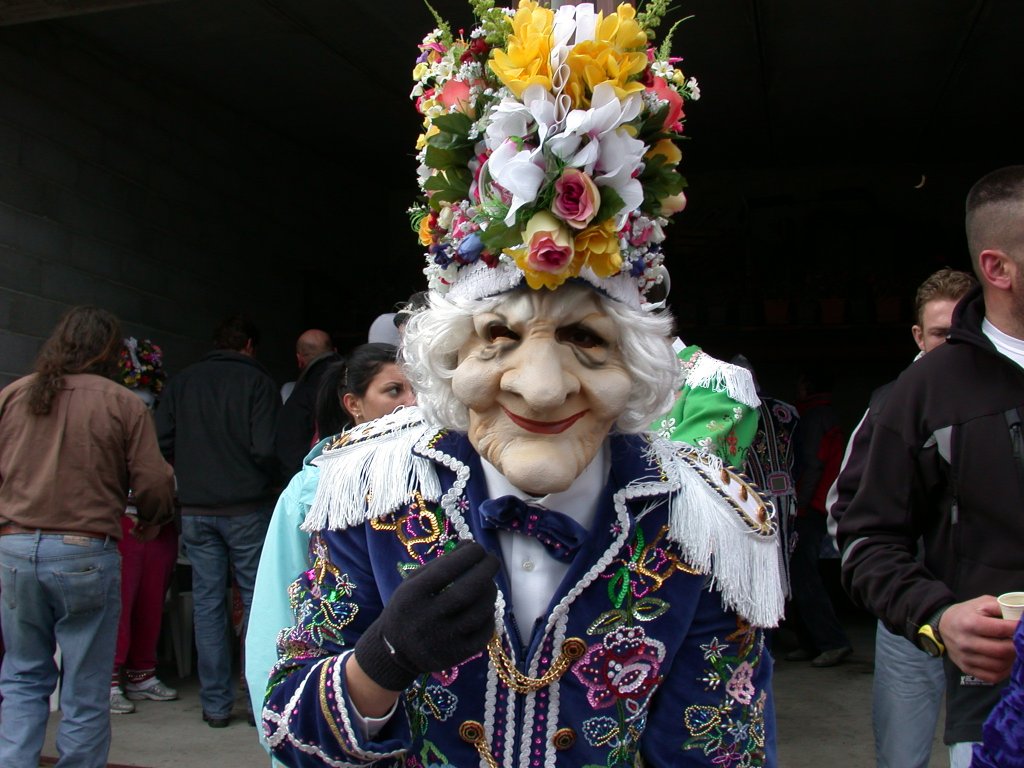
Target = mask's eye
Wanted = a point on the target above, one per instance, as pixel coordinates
(579, 336)
(497, 331)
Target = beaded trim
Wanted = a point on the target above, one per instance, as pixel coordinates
(345, 736)
(764, 521)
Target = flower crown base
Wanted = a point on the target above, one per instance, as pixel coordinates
(479, 281)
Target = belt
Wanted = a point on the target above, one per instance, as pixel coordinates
(7, 529)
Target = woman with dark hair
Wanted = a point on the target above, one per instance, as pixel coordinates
(364, 386)
(72, 442)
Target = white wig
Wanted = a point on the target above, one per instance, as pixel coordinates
(434, 336)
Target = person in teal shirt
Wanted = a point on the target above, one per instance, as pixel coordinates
(364, 386)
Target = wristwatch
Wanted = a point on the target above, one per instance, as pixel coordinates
(928, 638)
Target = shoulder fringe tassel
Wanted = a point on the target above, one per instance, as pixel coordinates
(372, 474)
(711, 373)
(715, 538)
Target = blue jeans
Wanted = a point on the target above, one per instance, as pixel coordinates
(57, 590)
(907, 695)
(961, 754)
(212, 542)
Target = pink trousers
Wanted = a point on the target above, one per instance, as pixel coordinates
(145, 573)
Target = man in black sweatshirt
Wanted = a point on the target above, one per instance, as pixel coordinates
(215, 424)
(946, 465)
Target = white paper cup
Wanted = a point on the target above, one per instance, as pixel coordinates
(1012, 605)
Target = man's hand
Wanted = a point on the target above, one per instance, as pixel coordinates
(978, 640)
(144, 532)
(437, 618)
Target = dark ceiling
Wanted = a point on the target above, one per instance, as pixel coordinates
(828, 135)
(785, 82)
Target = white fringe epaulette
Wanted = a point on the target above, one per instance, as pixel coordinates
(724, 529)
(371, 471)
(709, 372)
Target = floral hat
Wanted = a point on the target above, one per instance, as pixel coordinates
(547, 152)
(141, 365)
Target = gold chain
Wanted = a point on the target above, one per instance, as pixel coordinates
(472, 732)
(572, 649)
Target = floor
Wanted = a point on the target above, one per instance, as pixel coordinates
(823, 716)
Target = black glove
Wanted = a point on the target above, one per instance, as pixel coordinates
(437, 618)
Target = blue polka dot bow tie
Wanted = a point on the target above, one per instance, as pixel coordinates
(559, 533)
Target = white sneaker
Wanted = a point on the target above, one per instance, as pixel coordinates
(154, 690)
(119, 705)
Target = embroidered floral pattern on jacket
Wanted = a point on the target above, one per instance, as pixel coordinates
(731, 733)
(425, 533)
(320, 613)
(624, 669)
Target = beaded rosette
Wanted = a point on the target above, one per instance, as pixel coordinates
(548, 149)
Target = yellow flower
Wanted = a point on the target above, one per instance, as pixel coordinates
(616, 55)
(600, 247)
(667, 149)
(426, 238)
(420, 70)
(526, 60)
(421, 140)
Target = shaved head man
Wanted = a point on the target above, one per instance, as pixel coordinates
(311, 345)
(296, 421)
(944, 466)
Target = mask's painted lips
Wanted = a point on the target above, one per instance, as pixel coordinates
(544, 427)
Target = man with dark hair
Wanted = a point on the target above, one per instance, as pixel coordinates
(216, 425)
(946, 464)
(296, 423)
(236, 332)
(908, 684)
(72, 442)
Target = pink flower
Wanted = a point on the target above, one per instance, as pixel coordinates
(549, 245)
(577, 198)
(455, 94)
(624, 666)
(741, 684)
(666, 92)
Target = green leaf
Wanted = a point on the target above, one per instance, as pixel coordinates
(455, 123)
(606, 622)
(659, 180)
(618, 587)
(499, 236)
(654, 124)
(611, 203)
(448, 195)
(649, 608)
(442, 159)
(442, 25)
(639, 545)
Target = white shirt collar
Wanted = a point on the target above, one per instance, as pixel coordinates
(578, 501)
(1008, 345)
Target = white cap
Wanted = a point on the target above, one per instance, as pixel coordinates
(383, 331)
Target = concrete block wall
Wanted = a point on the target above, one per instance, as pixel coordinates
(125, 191)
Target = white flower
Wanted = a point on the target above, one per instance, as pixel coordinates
(521, 172)
(662, 69)
(513, 118)
(693, 89)
(620, 157)
(606, 114)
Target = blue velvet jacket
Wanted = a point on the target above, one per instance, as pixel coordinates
(651, 647)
